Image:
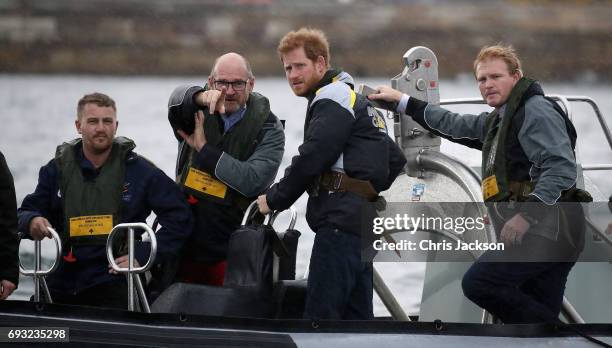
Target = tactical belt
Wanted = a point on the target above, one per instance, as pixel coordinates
(340, 182)
(520, 190)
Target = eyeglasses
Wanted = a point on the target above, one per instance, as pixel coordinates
(238, 85)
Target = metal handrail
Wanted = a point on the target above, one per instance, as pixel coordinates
(37, 273)
(131, 271)
(58, 251)
(387, 297)
(597, 167)
(570, 313)
(564, 102)
(602, 121)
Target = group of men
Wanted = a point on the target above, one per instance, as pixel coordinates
(230, 149)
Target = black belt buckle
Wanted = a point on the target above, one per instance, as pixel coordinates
(336, 180)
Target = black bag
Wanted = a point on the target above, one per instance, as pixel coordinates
(251, 255)
(286, 267)
(249, 277)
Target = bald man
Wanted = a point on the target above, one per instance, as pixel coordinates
(230, 148)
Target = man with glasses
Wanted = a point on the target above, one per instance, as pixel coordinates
(230, 148)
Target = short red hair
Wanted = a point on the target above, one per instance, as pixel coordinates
(314, 42)
(499, 51)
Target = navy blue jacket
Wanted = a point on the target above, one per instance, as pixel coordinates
(342, 132)
(146, 189)
(9, 246)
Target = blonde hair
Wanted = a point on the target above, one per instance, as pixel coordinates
(499, 51)
(314, 42)
(98, 99)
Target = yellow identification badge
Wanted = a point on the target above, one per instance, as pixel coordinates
(91, 225)
(205, 183)
(489, 187)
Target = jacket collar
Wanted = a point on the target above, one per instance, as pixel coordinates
(330, 76)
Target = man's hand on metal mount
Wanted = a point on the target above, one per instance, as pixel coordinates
(38, 228)
(123, 262)
(514, 230)
(262, 203)
(387, 94)
(197, 140)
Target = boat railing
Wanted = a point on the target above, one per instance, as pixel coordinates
(39, 274)
(591, 102)
(565, 102)
(133, 273)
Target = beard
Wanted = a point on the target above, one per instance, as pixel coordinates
(100, 144)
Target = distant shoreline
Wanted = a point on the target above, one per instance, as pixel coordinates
(571, 41)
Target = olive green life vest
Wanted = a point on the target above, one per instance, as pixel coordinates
(240, 143)
(495, 185)
(91, 208)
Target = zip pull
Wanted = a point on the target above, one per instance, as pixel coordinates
(70, 257)
(192, 200)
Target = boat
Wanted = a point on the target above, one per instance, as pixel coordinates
(197, 315)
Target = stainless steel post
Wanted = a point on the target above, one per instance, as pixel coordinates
(36, 270)
(130, 279)
(37, 273)
(132, 272)
(386, 296)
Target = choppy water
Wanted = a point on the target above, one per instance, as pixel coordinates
(38, 113)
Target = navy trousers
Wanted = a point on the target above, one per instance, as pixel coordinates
(110, 294)
(517, 292)
(339, 283)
